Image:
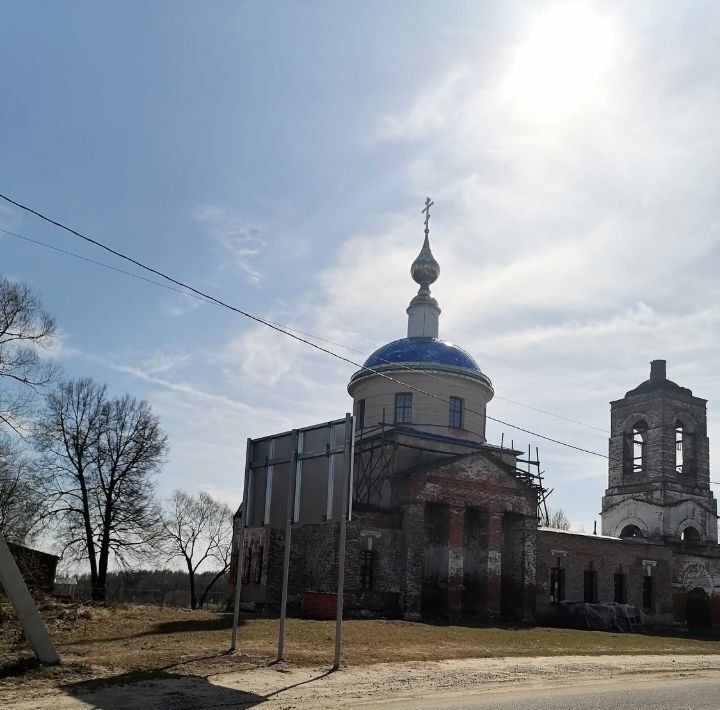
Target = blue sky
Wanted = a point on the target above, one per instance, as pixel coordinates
(278, 155)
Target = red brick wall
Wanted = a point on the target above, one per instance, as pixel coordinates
(607, 556)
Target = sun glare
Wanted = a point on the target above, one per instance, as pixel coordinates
(560, 63)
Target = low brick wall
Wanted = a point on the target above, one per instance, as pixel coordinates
(574, 552)
(318, 605)
(36, 567)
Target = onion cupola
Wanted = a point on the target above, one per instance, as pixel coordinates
(421, 381)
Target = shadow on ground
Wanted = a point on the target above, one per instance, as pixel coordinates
(165, 690)
(161, 690)
(224, 621)
(219, 623)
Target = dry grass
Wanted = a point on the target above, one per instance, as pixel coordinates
(100, 642)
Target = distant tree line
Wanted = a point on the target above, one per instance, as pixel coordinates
(83, 464)
(164, 587)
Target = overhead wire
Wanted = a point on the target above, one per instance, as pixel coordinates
(280, 329)
(212, 299)
(100, 263)
(284, 326)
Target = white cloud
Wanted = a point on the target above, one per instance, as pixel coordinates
(241, 238)
(576, 245)
(161, 362)
(431, 110)
(185, 303)
(262, 354)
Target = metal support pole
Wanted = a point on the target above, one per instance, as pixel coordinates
(238, 585)
(345, 515)
(241, 545)
(288, 539)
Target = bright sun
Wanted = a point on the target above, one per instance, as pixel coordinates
(559, 64)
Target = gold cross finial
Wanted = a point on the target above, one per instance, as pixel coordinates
(428, 204)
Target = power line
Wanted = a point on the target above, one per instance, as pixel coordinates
(162, 285)
(287, 327)
(408, 368)
(177, 290)
(552, 414)
(286, 330)
(101, 263)
(279, 329)
(204, 300)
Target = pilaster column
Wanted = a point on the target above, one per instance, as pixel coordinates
(414, 539)
(529, 543)
(456, 551)
(494, 564)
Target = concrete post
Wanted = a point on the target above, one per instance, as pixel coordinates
(32, 623)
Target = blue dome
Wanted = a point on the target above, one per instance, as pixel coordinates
(428, 350)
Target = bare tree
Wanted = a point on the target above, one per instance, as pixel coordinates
(223, 552)
(558, 519)
(197, 529)
(22, 499)
(101, 456)
(25, 328)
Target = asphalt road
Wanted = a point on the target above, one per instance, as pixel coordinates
(685, 693)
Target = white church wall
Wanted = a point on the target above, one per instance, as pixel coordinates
(428, 413)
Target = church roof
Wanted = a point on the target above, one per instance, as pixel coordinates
(659, 386)
(659, 382)
(422, 350)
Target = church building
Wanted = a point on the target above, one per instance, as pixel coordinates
(447, 524)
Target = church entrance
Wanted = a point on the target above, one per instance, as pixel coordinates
(698, 609)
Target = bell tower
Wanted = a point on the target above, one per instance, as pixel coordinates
(659, 477)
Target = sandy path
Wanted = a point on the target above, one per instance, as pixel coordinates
(286, 687)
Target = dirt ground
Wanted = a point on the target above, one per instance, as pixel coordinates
(410, 684)
(121, 646)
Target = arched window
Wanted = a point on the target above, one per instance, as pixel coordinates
(631, 531)
(679, 446)
(636, 449)
(690, 534)
(684, 449)
(639, 438)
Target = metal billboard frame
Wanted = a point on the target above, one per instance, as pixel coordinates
(293, 511)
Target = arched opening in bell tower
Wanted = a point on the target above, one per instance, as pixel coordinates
(636, 449)
(679, 446)
(631, 531)
(684, 448)
(690, 534)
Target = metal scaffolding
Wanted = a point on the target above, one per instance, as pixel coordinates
(376, 460)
